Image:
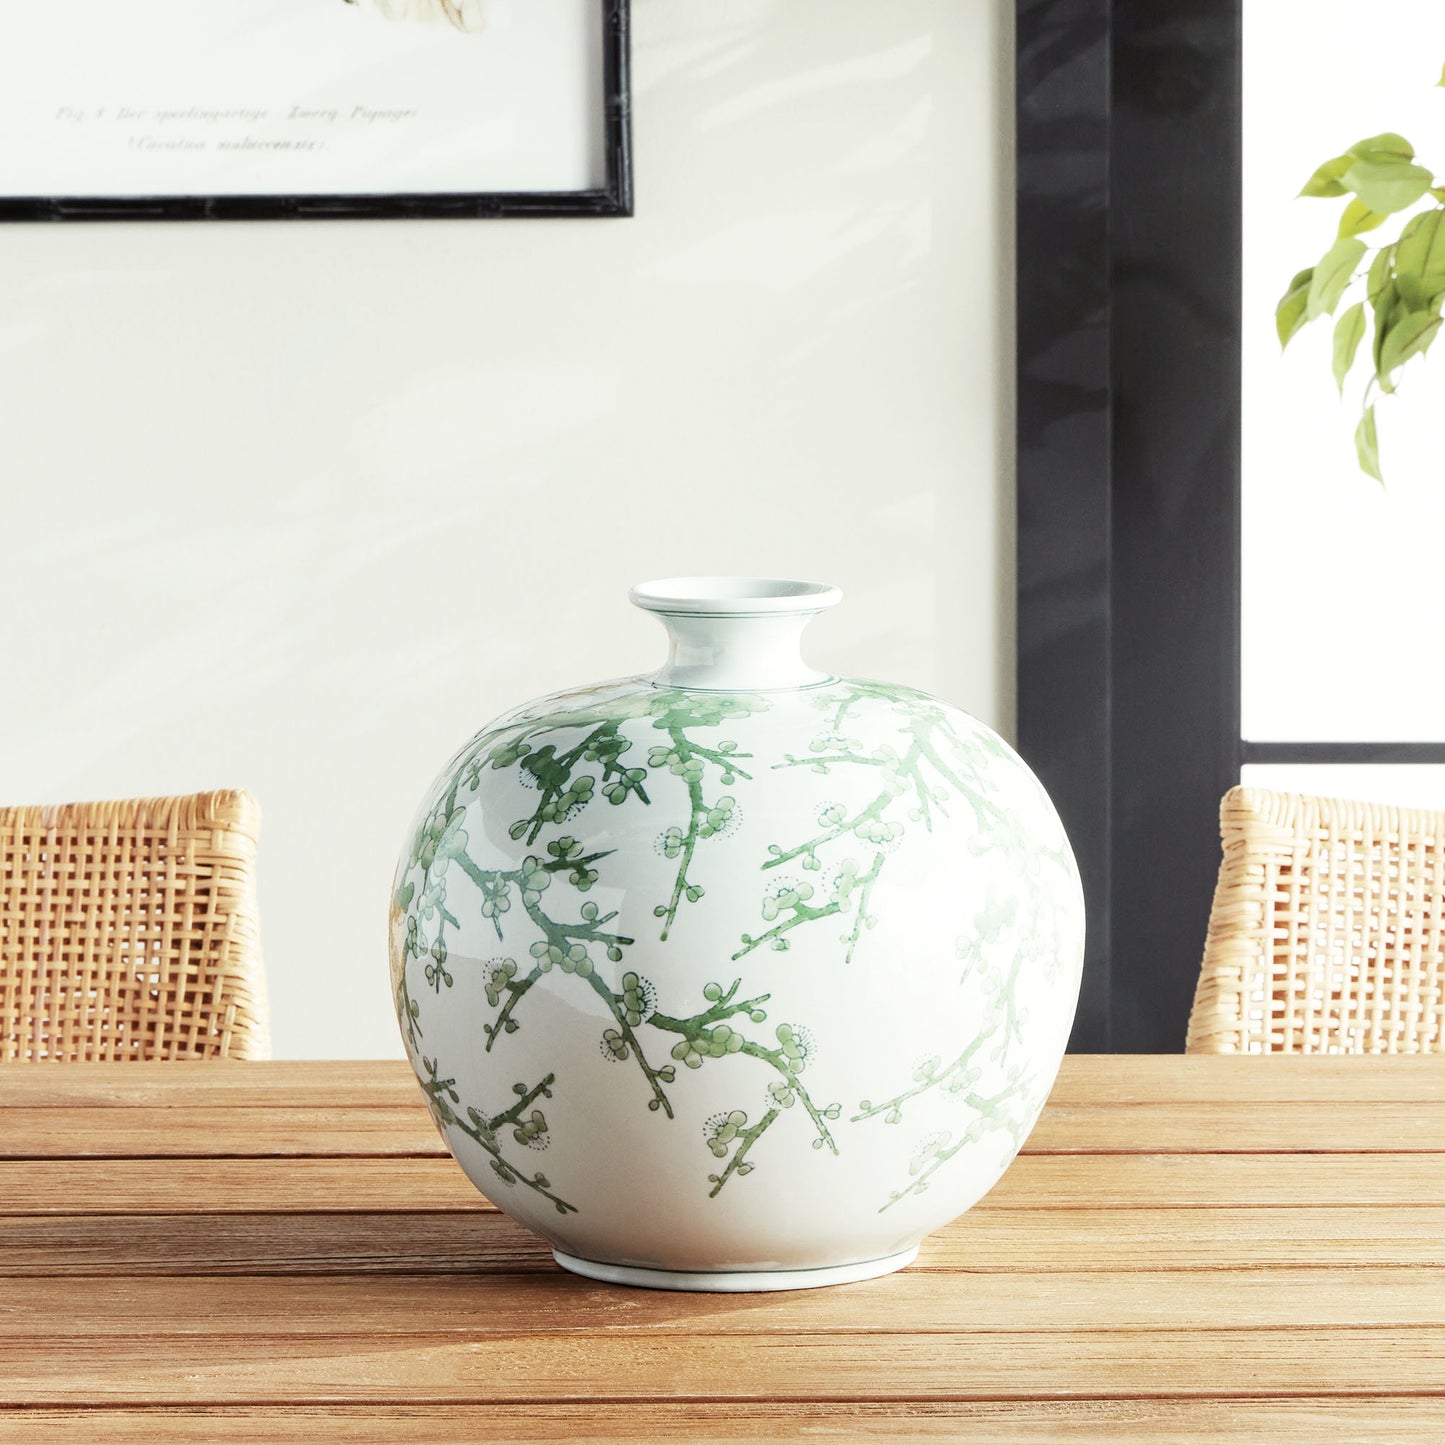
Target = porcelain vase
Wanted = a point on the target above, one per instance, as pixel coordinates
(736, 975)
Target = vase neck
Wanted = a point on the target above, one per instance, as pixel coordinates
(735, 634)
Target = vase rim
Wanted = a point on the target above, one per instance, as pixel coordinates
(734, 596)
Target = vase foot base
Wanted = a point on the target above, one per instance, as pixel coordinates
(734, 1281)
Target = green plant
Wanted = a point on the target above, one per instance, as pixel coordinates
(1403, 283)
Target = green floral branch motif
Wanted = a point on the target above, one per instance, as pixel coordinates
(529, 1129)
(790, 900)
(990, 1114)
(408, 1010)
(959, 1076)
(565, 790)
(867, 823)
(431, 905)
(563, 946)
(930, 1074)
(707, 1035)
(689, 761)
(913, 779)
(723, 1130)
(572, 946)
(563, 794)
(531, 879)
(1031, 938)
(731, 1130)
(710, 1034)
(500, 980)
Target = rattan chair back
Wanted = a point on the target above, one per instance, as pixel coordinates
(129, 930)
(1326, 933)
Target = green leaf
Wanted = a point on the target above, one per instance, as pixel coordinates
(1441, 81)
(1386, 147)
(1420, 259)
(1387, 185)
(1380, 276)
(1388, 307)
(1407, 336)
(1349, 332)
(1367, 445)
(1359, 217)
(1289, 315)
(1335, 272)
(1326, 180)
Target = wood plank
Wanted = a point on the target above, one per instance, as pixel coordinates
(465, 1243)
(912, 1302)
(1209, 1126)
(233, 1186)
(1061, 1181)
(1246, 1421)
(211, 1083)
(1250, 1078)
(581, 1365)
(1150, 1246)
(472, 1242)
(1109, 1079)
(1118, 1240)
(1131, 1181)
(268, 1131)
(217, 1132)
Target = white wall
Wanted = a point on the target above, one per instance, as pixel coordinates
(299, 507)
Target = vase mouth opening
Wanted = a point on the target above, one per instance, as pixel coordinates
(734, 596)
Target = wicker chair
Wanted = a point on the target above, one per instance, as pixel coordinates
(128, 930)
(1328, 930)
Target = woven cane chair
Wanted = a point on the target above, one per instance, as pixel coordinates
(1326, 934)
(128, 930)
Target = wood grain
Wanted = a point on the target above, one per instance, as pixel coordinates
(1191, 1249)
(181, 1083)
(1083, 1079)
(1063, 1181)
(551, 1301)
(111, 1131)
(1228, 1127)
(213, 1131)
(581, 1364)
(1259, 1079)
(1243, 1421)
(233, 1186)
(1108, 1241)
(50, 1246)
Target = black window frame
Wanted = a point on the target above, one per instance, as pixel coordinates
(1128, 475)
(1129, 226)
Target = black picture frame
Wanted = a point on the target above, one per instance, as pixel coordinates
(613, 198)
(1128, 224)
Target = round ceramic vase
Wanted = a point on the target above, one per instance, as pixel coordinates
(735, 975)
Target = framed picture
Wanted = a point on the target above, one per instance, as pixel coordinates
(275, 109)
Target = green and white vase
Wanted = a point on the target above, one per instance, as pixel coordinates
(736, 975)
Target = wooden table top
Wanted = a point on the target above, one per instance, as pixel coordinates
(1189, 1249)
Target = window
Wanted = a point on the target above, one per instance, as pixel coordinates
(1159, 663)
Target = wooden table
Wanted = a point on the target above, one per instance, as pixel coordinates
(1190, 1249)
